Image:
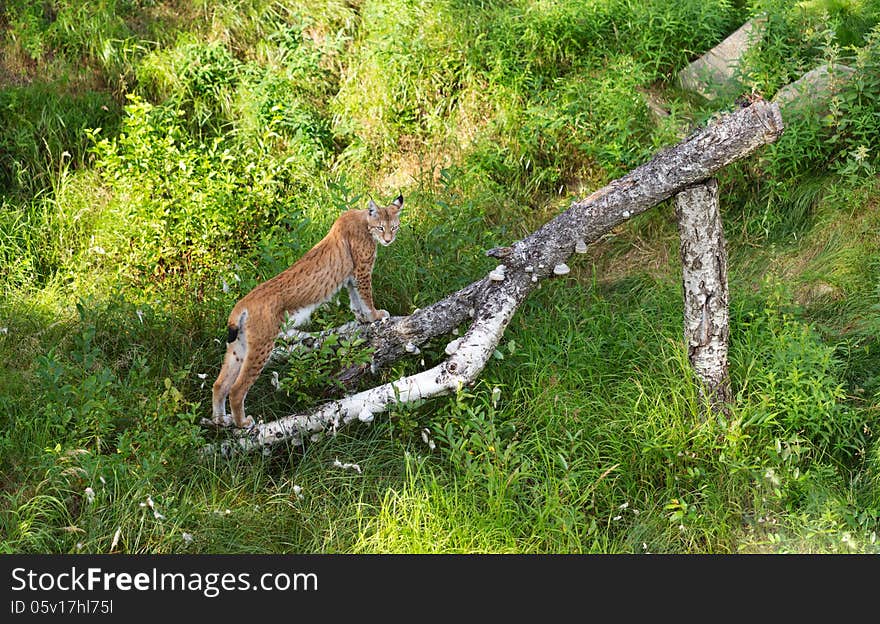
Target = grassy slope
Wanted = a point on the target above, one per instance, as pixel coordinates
(229, 139)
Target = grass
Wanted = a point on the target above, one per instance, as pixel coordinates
(156, 166)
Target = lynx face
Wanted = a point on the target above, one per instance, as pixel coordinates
(383, 223)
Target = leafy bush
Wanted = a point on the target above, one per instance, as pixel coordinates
(196, 78)
(315, 372)
(184, 208)
(858, 124)
(798, 39)
(484, 448)
(795, 386)
(825, 142)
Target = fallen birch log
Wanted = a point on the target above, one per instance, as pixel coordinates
(490, 302)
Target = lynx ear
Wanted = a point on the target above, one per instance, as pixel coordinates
(398, 203)
(373, 208)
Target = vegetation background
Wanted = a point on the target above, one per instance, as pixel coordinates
(160, 158)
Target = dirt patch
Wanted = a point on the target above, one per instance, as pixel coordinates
(643, 256)
(16, 68)
(817, 291)
(414, 163)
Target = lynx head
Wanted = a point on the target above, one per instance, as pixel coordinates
(383, 223)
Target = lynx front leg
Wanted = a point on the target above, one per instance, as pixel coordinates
(360, 292)
(361, 311)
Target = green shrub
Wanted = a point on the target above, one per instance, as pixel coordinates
(858, 124)
(183, 208)
(315, 372)
(795, 387)
(196, 78)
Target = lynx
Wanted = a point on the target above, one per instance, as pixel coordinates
(344, 257)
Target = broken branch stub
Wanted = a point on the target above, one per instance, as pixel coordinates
(490, 303)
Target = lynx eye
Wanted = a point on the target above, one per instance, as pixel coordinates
(394, 228)
(381, 228)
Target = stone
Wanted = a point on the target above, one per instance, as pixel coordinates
(815, 88)
(715, 71)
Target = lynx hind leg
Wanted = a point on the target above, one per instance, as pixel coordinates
(258, 349)
(236, 348)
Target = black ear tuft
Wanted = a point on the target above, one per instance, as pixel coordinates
(398, 202)
(373, 208)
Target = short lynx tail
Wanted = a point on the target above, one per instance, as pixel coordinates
(231, 333)
(232, 330)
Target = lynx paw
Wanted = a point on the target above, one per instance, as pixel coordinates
(220, 422)
(371, 317)
(247, 423)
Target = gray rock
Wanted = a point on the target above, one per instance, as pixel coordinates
(715, 71)
(815, 88)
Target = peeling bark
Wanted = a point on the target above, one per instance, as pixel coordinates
(490, 302)
(704, 278)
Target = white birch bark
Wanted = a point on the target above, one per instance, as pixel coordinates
(704, 278)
